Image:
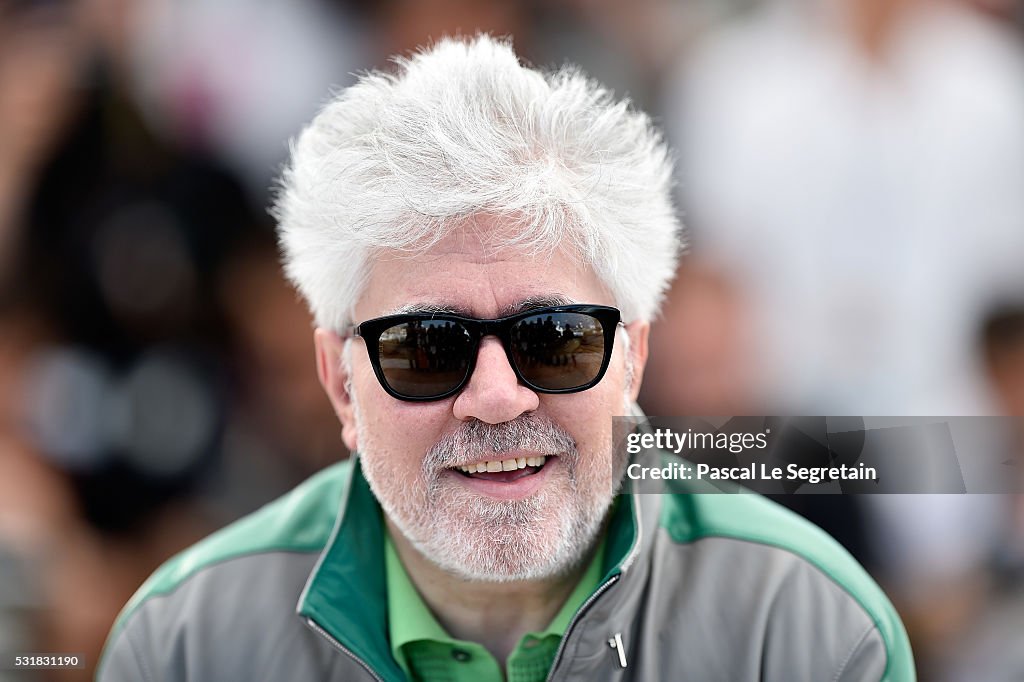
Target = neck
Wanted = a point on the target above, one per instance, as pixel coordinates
(495, 615)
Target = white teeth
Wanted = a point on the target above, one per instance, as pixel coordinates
(496, 465)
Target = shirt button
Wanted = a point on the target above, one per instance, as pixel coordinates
(460, 655)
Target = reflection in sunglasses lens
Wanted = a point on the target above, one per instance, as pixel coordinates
(425, 358)
(553, 351)
(559, 350)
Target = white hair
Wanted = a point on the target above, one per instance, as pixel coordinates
(462, 129)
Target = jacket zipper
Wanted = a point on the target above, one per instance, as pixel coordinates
(579, 615)
(342, 648)
(554, 663)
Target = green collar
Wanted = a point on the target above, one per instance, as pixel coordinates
(411, 621)
(346, 594)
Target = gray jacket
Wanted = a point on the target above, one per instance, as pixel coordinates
(696, 587)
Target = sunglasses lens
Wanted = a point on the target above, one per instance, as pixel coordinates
(559, 351)
(425, 358)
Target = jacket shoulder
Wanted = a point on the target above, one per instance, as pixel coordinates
(755, 520)
(299, 521)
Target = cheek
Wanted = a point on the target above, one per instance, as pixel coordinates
(401, 432)
(589, 419)
(587, 416)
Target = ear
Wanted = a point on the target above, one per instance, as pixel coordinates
(638, 331)
(336, 382)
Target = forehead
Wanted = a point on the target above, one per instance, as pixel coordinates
(471, 272)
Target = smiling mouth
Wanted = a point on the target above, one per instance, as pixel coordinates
(503, 470)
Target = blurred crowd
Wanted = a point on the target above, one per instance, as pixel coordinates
(851, 173)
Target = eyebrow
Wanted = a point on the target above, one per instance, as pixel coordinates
(534, 302)
(523, 305)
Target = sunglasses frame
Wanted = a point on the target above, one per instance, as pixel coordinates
(371, 330)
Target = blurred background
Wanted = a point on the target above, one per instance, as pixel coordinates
(851, 173)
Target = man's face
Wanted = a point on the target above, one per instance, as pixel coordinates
(537, 525)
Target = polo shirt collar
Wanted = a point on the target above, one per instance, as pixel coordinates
(410, 619)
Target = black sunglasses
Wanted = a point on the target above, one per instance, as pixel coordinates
(430, 356)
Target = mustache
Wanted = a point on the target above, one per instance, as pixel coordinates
(476, 440)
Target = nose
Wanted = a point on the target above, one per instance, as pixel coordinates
(493, 394)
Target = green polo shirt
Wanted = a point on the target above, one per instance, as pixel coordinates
(426, 652)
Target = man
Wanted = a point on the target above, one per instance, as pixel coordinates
(482, 246)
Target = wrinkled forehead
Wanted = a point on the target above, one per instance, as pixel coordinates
(480, 273)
